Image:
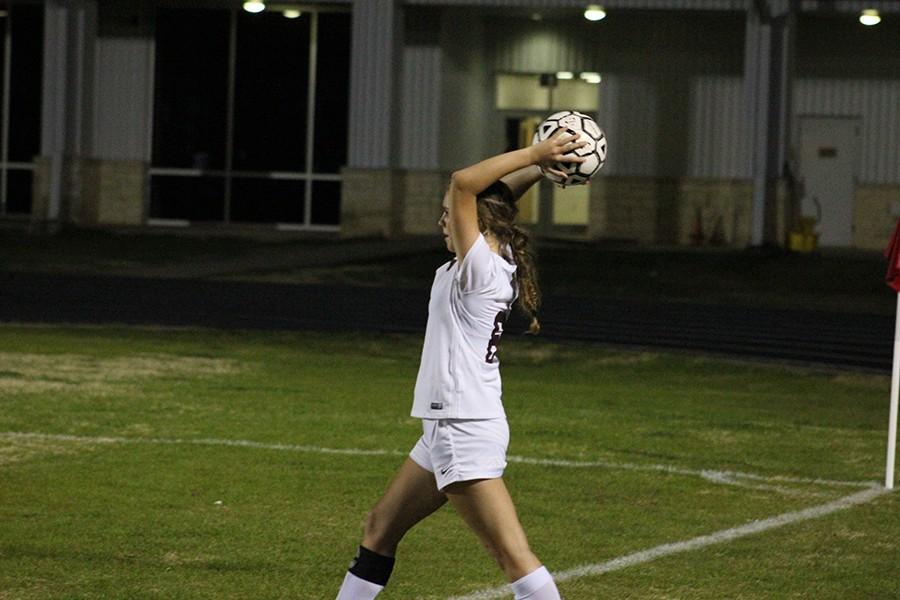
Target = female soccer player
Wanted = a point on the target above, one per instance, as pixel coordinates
(462, 452)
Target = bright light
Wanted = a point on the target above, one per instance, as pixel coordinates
(254, 6)
(536, 17)
(590, 77)
(565, 75)
(870, 16)
(594, 12)
(291, 13)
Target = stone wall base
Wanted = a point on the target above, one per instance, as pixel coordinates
(679, 211)
(94, 192)
(875, 213)
(113, 192)
(391, 202)
(371, 200)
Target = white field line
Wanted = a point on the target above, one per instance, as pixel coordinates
(713, 476)
(727, 477)
(718, 537)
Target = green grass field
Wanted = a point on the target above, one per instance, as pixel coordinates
(120, 475)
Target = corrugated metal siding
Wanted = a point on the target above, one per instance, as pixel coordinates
(542, 50)
(371, 83)
(629, 115)
(467, 92)
(652, 4)
(885, 6)
(776, 6)
(877, 102)
(53, 107)
(664, 44)
(608, 119)
(719, 130)
(719, 144)
(421, 110)
(122, 98)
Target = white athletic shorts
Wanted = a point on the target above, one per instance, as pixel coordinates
(462, 449)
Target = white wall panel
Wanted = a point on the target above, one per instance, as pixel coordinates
(666, 43)
(372, 71)
(876, 102)
(719, 144)
(546, 49)
(421, 111)
(122, 108)
(629, 115)
(467, 93)
(719, 136)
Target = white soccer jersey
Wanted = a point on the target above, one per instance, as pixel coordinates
(459, 376)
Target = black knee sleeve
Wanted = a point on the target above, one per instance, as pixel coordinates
(372, 567)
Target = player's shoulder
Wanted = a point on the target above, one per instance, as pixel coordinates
(446, 267)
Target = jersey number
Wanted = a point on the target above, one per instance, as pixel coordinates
(494, 342)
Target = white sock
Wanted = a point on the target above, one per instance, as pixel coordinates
(355, 588)
(537, 585)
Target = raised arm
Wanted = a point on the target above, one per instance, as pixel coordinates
(467, 183)
(518, 182)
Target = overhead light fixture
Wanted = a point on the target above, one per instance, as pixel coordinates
(590, 77)
(594, 12)
(254, 6)
(870, 16)
(565, 75)
(291, 13)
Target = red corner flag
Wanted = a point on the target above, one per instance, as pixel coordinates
(892, 253)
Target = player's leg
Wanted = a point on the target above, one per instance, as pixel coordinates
(486, 507)
(411, 496)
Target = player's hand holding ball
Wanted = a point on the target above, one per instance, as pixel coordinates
(557, 152)
(580, 146)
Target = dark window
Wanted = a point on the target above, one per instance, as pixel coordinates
(27, 31)
(256, 200)
(332, 95)
(190, 109)
(326, 206)
(269, 128)
(271, 90)
(191, 198)
(18, 191)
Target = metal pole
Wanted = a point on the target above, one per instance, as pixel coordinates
(4, 144)
(229, 125)
(311, 115)
(892, 423)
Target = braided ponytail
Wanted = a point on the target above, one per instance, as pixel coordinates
(497, 211)
(526, 275)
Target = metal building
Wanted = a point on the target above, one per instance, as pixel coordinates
(729, 122)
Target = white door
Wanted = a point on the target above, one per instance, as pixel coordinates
(828, 147)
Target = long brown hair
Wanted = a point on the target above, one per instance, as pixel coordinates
(497, 212)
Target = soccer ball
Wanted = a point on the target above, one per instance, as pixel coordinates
(588, 130)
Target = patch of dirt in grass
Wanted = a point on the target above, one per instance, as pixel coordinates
(174, 558)
(18, 449)
(863, 380)
(631, 358)
(548, 353)
(35, 590)
(34, 373)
